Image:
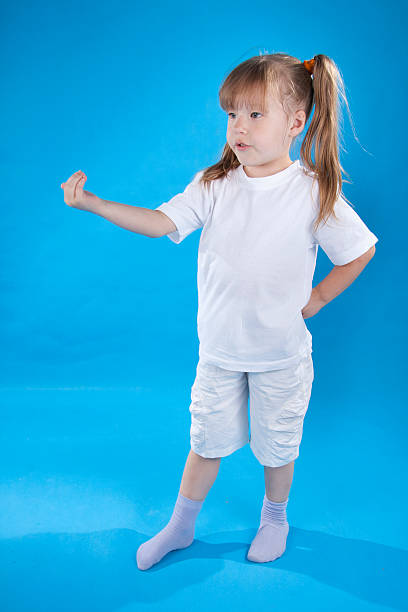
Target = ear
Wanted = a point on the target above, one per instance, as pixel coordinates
(298, 122)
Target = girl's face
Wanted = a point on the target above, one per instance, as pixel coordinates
(267, 134)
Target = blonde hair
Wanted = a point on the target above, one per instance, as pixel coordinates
(287, 80)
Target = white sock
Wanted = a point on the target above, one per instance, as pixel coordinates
(178, 533)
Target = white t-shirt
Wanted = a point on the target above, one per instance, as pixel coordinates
(256, 260)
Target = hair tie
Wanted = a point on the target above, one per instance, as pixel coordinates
(309, 65)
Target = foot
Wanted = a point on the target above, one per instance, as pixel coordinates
(269, 543)
(178, 533)
(156, 548)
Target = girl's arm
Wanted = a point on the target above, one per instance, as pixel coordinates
(152, 223)
(341, 277)
(335, 282)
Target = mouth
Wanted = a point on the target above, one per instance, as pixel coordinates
(242, 145)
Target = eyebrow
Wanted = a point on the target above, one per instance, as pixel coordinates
(246, 106)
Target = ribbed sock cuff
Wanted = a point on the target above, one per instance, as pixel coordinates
(273, 512)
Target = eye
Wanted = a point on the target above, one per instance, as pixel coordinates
(253, 113)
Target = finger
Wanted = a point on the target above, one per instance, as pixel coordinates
(71, 184)
(81, 179)
(78, 186)
(74, 178)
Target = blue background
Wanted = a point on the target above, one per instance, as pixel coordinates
(98, 325)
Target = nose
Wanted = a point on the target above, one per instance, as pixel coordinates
(239, 132)
(240, 124)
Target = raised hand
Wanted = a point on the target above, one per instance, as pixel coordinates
(75, 195)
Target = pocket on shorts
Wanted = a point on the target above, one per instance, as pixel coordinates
(197, 429)
(207, 393)
(307, 372)
(295, 408)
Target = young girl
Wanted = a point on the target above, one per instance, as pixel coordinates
(263, 218)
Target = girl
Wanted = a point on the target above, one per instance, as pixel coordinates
(263, 218)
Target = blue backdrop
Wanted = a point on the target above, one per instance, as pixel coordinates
(98, 325)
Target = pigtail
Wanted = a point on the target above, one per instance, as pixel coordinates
(323, 135)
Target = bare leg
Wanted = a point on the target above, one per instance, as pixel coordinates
(278, 481)
(198, 476)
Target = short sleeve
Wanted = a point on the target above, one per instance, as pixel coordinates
(345, 238)
(188, 210)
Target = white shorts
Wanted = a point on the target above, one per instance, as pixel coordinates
(278, 401)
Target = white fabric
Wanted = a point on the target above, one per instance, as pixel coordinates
(256, 260)
(278, 402)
